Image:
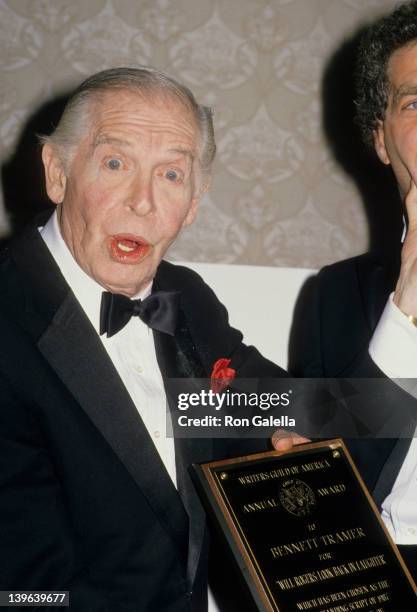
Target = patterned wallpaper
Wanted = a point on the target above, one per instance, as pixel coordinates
(280, 195)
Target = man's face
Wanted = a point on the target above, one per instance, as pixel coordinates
(132, 185)
(396, 137)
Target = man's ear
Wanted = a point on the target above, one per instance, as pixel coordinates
(192, 212)
(379, 143)
(55, 177)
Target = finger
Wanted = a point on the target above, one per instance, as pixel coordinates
(283, 440)
(411, 205)
(286, 444)
(283, 444)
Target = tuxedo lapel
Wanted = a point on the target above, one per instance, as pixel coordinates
(69, 343)
(375, 284)
(99, 390)
(178, 357)
(390, 470)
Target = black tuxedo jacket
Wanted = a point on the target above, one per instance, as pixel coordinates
(334, 320)
(86, 504)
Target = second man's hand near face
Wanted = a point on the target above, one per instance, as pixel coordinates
(405, 296)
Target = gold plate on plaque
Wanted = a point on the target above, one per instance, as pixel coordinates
(305, 532)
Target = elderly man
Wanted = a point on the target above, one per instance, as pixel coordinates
(361, 321)
(95, 499)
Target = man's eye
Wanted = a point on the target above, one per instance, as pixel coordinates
(171, 175)
(412, 105)
(114, 163)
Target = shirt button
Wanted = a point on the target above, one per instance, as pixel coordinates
(411, 530)
(157, 434)
(139, 369)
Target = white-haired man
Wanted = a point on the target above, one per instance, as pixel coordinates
(95, 499)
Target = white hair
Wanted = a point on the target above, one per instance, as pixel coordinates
(76, 117)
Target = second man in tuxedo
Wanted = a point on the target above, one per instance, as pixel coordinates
(361, 316)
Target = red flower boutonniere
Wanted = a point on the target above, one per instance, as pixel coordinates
(221, 375)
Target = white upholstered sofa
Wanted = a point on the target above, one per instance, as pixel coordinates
(260, 301)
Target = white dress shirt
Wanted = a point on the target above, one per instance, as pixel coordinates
(394, 350)
(131, 350)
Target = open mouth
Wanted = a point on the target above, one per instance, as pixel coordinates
(129, 249)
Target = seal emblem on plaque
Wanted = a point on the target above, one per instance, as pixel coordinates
(297, 497)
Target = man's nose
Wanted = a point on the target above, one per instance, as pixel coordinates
(141, 196)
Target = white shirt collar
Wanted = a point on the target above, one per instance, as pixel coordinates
(87, 291)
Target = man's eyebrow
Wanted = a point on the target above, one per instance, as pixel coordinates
(186, 152)
(112, 140)
(406, 89)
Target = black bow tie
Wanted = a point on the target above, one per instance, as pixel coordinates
(159, 311)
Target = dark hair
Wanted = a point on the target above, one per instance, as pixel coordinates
(396, 30)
